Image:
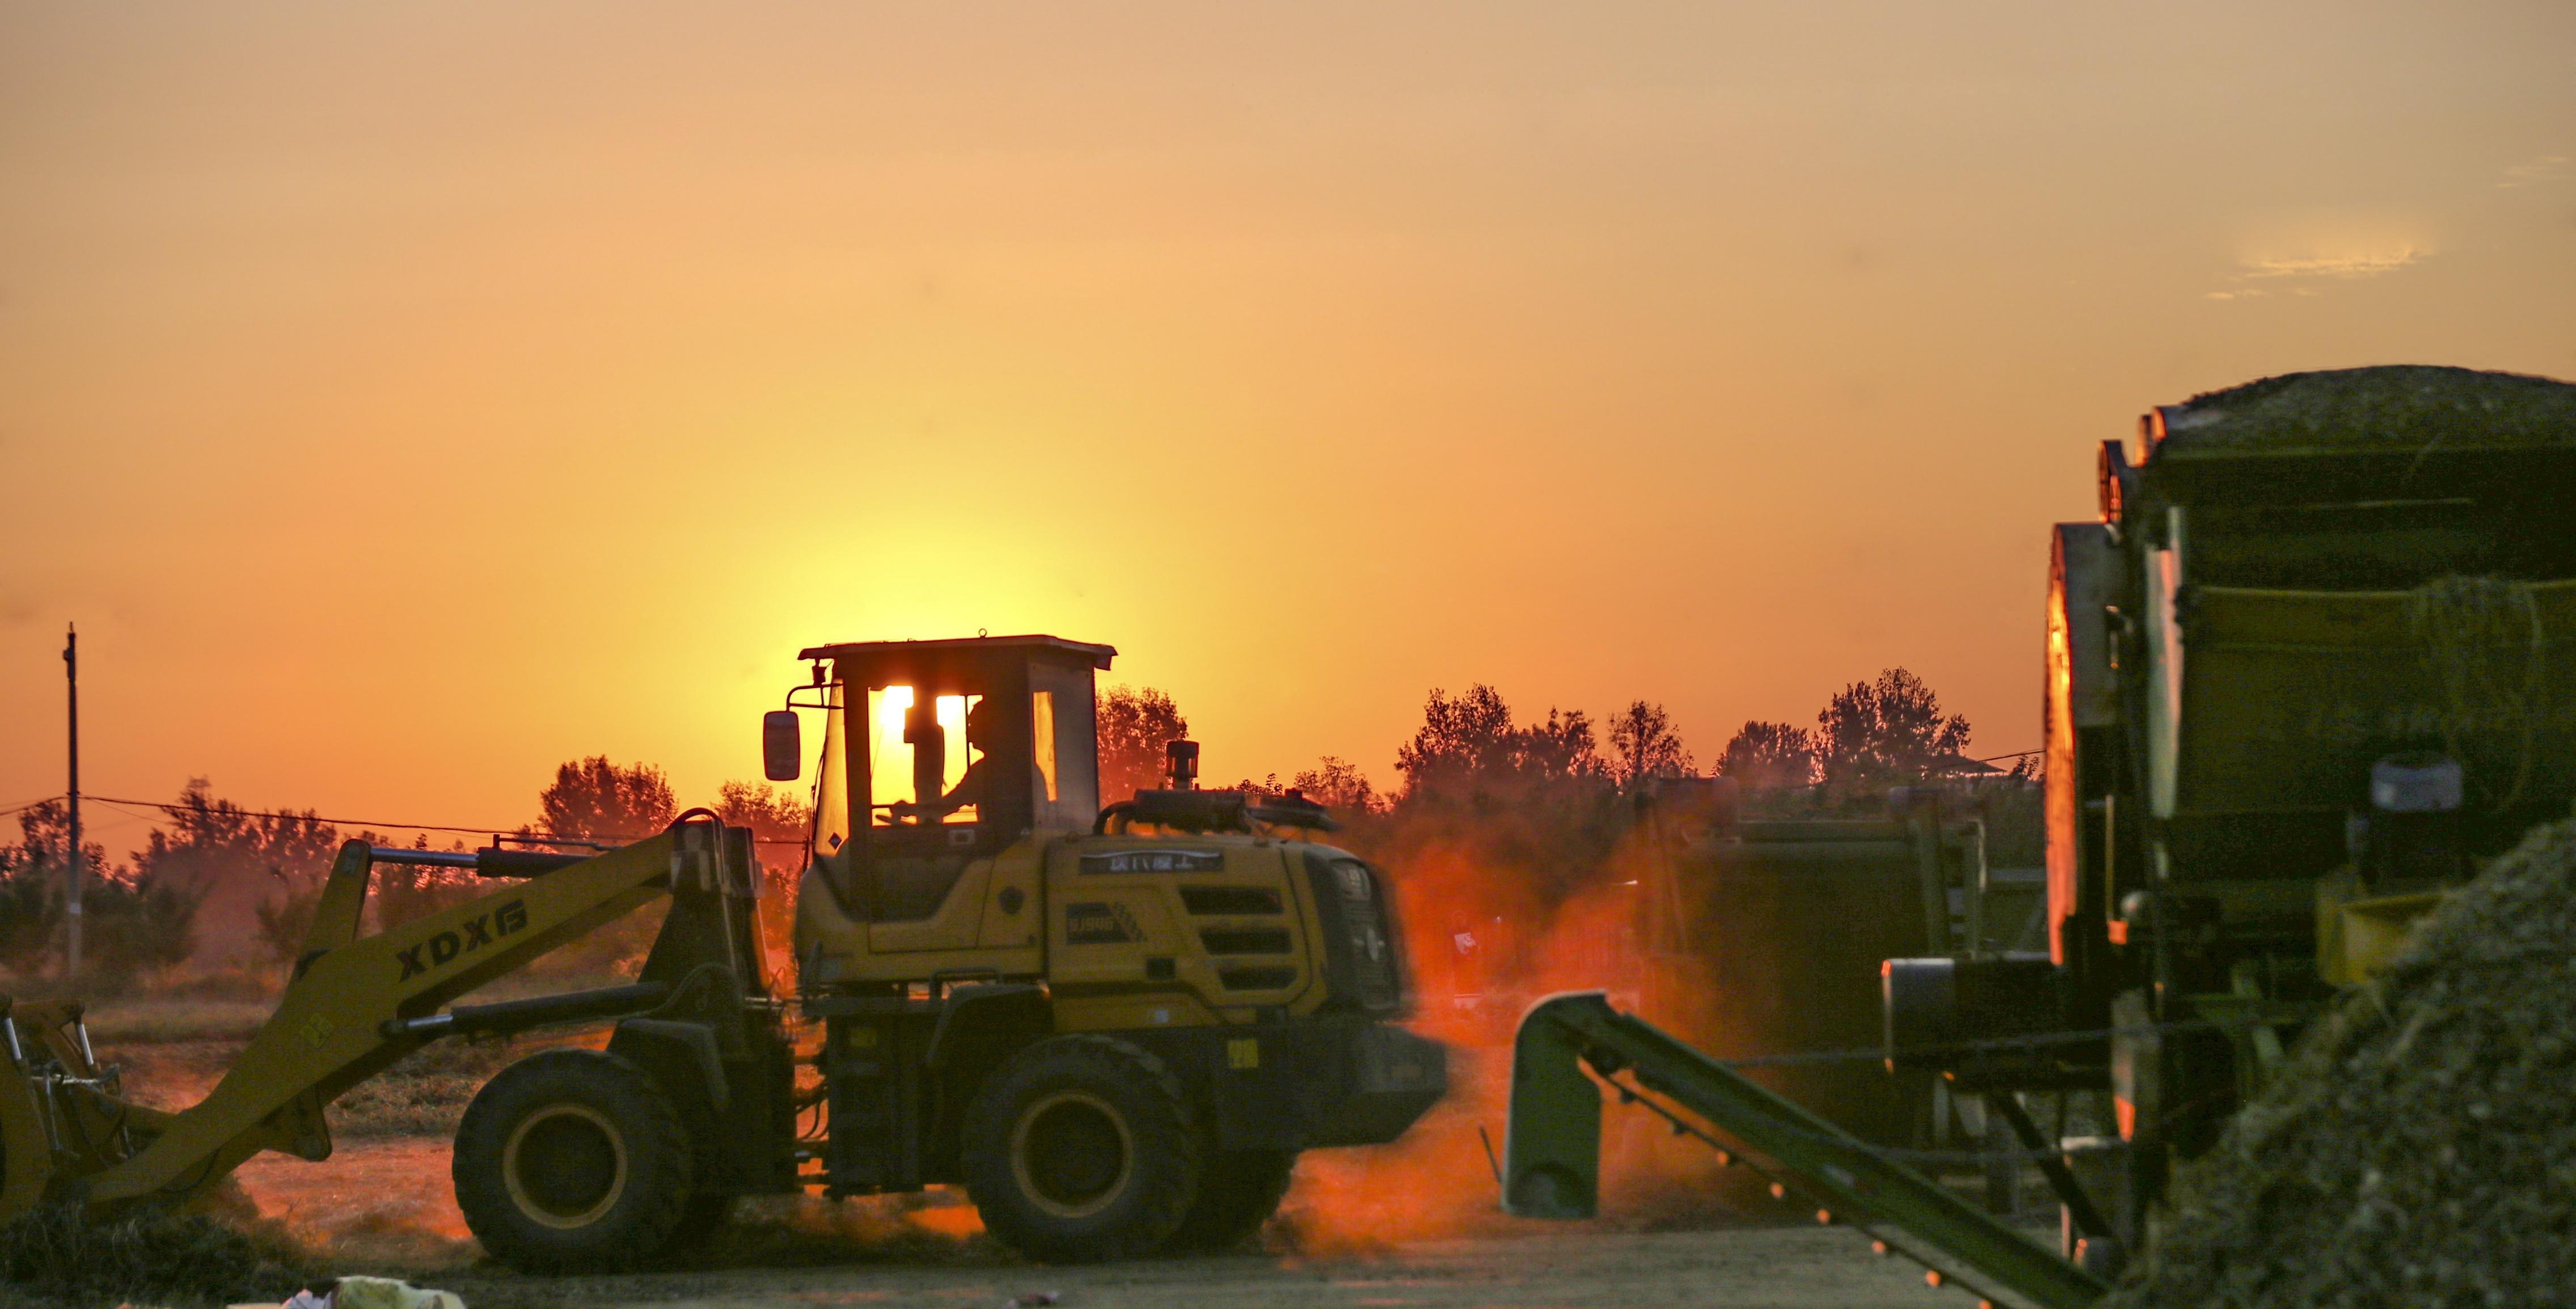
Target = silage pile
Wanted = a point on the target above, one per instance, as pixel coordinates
(2423, 1150)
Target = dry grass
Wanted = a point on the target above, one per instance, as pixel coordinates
(173, 1051)
(54, 1259)
(426, 1093)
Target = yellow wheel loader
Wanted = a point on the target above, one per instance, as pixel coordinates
(1116, 1028)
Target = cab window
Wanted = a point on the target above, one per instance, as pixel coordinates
(1042, 744)
(924, 758)
(831, 793)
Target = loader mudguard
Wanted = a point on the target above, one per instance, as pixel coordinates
(686, 1059)
(980, 1025)
(682, 1056)
(983, 1023)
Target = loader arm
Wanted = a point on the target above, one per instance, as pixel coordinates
(338, 1022)
(1552, 1148)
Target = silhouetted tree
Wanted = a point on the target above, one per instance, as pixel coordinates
(209, 839)
(132, 923)
(31, 889)
(235, 862)
(1769, 756)
(404, 892)
(1468, 747)
(1643, 744)
(777, 816)
(1562, 749)
(1134, 725)
(1335, 784)
(1888, 730)
(780, 823)
(286, 919)
(1499, 821)
(594, 799)
(1462, 739)
(397, 893)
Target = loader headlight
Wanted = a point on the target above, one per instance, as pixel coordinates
(1357, 885)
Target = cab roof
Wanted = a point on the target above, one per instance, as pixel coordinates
(1098, 656)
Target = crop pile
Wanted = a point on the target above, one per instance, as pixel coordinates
(52, 1257)
(2423, 1149)
(2411, 408)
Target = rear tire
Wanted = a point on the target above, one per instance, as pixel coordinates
(1237, 1194)
(572, 1161)
(1080, 1149)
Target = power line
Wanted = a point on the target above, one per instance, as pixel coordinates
(299, 818)
(362, 823)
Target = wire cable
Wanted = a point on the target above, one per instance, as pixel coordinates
(361, 823)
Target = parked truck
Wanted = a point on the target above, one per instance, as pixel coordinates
(2314, 663)
(2311, 668)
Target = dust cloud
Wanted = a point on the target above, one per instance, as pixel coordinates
(1485, 944)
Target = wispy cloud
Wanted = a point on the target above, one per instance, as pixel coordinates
(2532, 172)
(2300, 255)
(2258, 293)
(2340, 263)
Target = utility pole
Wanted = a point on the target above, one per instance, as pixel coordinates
(72, 899)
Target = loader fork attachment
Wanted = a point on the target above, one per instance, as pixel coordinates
(351, 1009)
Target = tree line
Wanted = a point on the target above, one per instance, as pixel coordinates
(1536, 801)
(151, 911)
(1870, 735)
(1530, 811)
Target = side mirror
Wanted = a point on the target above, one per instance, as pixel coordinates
(782, 750)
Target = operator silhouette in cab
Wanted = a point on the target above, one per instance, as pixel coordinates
(970, 787)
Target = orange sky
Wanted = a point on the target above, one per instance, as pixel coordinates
(406, 397)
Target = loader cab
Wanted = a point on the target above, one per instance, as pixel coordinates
(938, 754)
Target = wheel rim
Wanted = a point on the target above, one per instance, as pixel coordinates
(565, 1165)
(1072, 1154)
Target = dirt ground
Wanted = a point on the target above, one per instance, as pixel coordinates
(1412, 1224)
(1740, 1270)
(385, 1206)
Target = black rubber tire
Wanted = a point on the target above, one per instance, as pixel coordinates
(1238, 1192)
(1080, 1149)
(572, 1161)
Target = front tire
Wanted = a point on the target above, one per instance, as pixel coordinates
(572, 1161)
(1081, 1149)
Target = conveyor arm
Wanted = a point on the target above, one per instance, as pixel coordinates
(1552, 1149)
